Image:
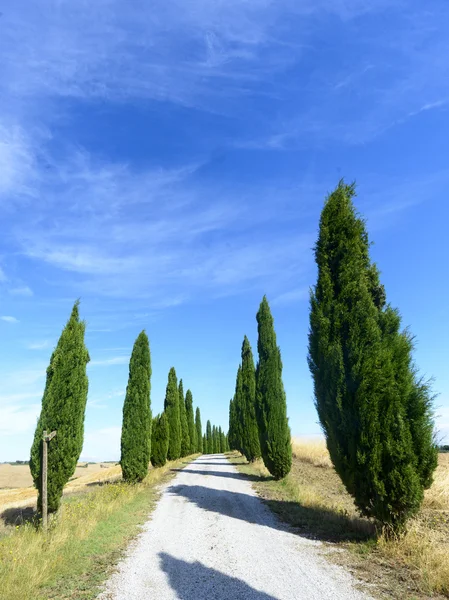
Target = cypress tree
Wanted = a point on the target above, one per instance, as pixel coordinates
(185, 438)
(171, 408)
(159, 440)
(238, 411)
(275, 437)
(191, 423)
(250, 429)
(136, 427)
(375, 412)
(199, 432)
(231, 429)
(63, 407)
(215, 440)
(220, 440)
(205, 444)
(209, 438)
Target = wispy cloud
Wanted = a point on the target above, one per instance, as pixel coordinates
(9, 319)
(41, 345)
(291, 297)
(23, 291)
(107, 362)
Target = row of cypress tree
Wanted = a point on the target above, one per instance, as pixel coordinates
(258, 423)
(215, 441)
(177, 432)
(173, 434)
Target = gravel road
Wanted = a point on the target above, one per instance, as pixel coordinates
(212, 538)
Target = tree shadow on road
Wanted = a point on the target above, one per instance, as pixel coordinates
(313, 522)
(195, 581)
(230, 475)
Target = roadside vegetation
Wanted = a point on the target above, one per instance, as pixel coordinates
(314, 501)
(85, 540)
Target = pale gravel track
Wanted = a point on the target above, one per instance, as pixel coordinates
(210, 537)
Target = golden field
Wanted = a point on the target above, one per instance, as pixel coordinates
(16, 484)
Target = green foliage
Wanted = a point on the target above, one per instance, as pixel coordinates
(209, 443)
(159, 440)
(136, 427)
(274, 431)
(191, 423)
(249, 428)
(221, 447)
(63, 408)
(205, 444)
(185, 438)
(199, 432)
(237, 413)
(171, 408)
(232, 433)
(215, 444)
(375, 412)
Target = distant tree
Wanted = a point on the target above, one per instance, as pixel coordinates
(238, 411)
(136, 427)
(159, 442)
(191, 423)
(216, 443)
(375, 412)
(185, 438)
(199, 432)
(220, 440)
(205, 444)
(275, 437)
(232, 437)
(171, 408)
(209, 438)
(250, 428)
(63, 408)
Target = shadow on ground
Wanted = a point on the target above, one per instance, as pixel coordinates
(316, 523)
(230, 475)
(19, 516)
(195, 581)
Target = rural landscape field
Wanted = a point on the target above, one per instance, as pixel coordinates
(224, 317)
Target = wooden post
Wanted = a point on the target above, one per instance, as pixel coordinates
(45, 439)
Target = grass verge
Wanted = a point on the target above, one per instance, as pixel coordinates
(83, 544)
(313, 500)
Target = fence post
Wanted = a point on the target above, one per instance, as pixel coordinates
(45, 439)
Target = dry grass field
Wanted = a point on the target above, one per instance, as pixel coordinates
(313, 500)
(16, 484)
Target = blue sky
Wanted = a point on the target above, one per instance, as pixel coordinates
(167, 162)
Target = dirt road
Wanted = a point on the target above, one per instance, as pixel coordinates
(212, 538)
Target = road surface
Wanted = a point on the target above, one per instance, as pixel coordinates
(210, 537)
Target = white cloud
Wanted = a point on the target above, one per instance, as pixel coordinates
(291, 297)
(115, 360)
(17, 418)
(102, 444)
(41, 345)
(23, 290)
(9, 319)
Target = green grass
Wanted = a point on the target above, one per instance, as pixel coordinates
(83, 545)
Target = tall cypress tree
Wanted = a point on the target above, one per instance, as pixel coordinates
(375, 413)
(209, 438)
(205, 444)
(185, 438)
(171, 408)
(214, 440)
(63, 408)
(191, 423)
(238, 411)
(159, 440)
(275, 437)
(136, 427)
(199, 432)
(250, 428)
